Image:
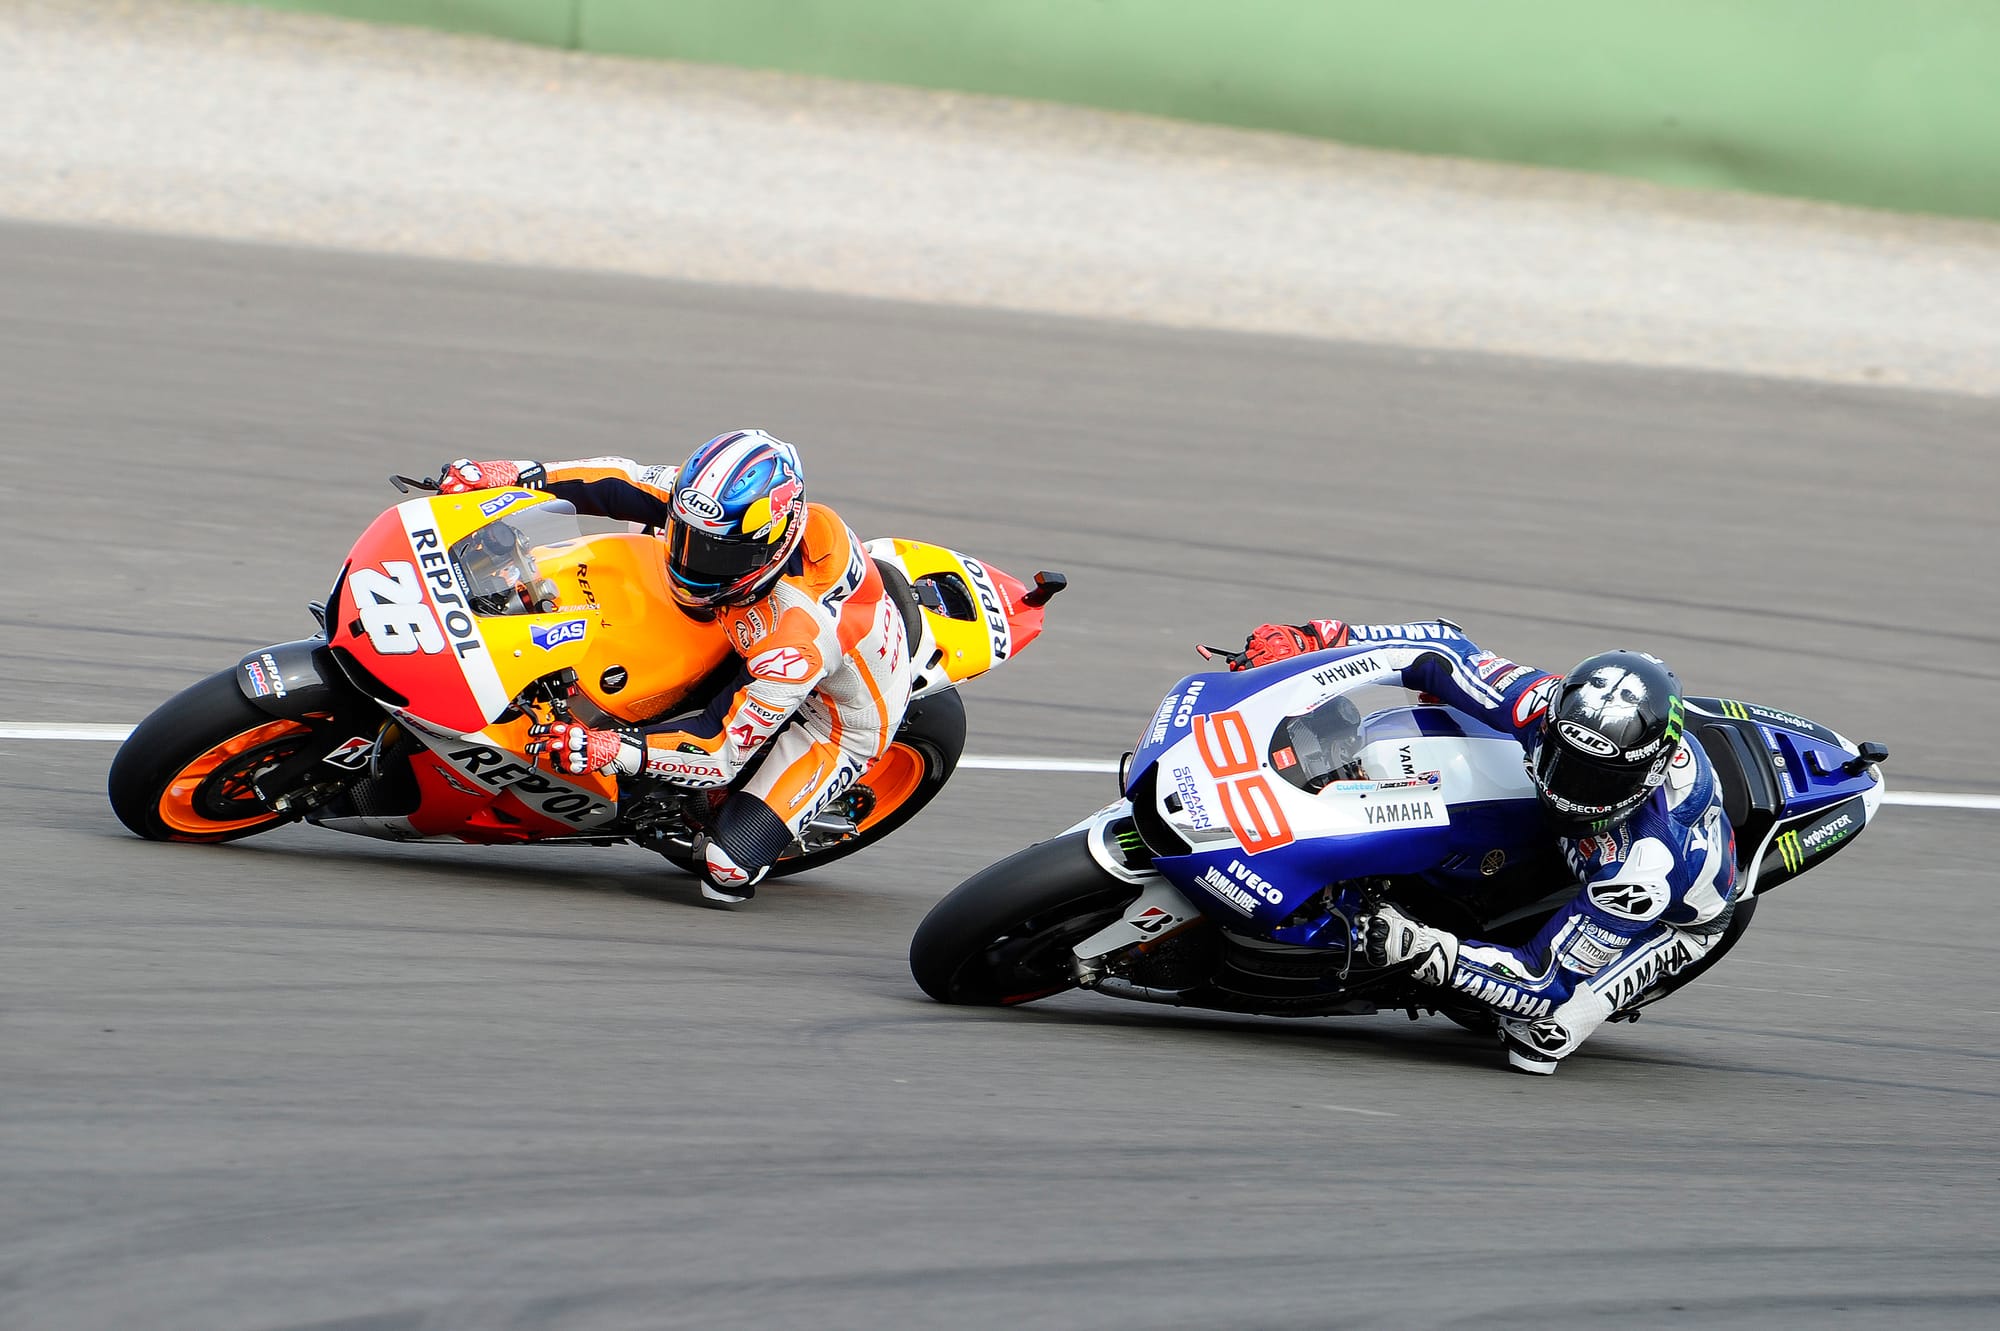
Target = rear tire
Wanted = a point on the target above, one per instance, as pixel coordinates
(1003, 936)
(184, 774)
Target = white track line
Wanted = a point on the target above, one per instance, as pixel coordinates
(57, 730)
(40, 730)
(998, 764)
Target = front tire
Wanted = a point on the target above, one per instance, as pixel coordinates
(186, 773)
(1003, 936)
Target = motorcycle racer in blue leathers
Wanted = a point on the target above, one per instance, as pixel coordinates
(1635, 806)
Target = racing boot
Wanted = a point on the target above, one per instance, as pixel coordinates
(1522, 1056)
(723, 880)
(1537, 1046)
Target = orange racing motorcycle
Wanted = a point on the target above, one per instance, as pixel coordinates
(458, 621)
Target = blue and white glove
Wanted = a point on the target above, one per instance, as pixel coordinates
(1391, 938)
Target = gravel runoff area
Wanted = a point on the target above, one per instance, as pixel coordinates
(245, 124)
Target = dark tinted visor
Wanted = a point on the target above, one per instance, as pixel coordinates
(1577, 784)
(703, 560)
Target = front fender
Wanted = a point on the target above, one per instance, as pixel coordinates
(291, 679)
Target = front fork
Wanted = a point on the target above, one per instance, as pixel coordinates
(1156, 913)
(299, 681)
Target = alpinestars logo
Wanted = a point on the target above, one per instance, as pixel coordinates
(1628, 901)
(787, 665)
(1535, 701)
(1551, 1037)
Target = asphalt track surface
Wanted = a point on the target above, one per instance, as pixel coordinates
(315, 1081)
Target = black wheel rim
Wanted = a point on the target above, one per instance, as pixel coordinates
(229, 793)
(1034, 961)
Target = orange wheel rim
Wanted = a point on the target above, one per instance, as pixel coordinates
(894, 778)
(178, 808)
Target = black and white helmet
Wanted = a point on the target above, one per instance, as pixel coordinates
(1607, 738)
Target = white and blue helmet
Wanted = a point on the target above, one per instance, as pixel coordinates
(738, 515)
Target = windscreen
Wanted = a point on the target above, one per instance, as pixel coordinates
(1320, 746)
(498, 561)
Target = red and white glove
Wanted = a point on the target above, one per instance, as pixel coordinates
(1280, 642)
(465, 474)
(576, 749)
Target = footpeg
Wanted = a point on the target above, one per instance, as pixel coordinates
(833, 824)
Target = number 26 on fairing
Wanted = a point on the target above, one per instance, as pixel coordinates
(1248, 801)
(390, 601)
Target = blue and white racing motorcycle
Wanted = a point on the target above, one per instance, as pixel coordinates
(1263, 813)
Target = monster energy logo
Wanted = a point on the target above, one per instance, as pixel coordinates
(1674, 715)
(1734, 709)
(1791, 852)
(1131, 844)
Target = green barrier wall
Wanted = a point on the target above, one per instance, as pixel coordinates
(1889, 103)
(548, 22)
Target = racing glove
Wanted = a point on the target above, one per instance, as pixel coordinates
(1391, 938)
(465, 474)
(1279, 642)
(576, 749)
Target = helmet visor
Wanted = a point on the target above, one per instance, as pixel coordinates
(708, 566)
(1579, 786)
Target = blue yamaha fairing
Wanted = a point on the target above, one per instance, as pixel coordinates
(1260, 810)
(1265, 811)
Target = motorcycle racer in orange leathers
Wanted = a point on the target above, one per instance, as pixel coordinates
(826, 672)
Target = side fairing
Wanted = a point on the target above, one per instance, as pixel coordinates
(1257, 846)
(1496, 821)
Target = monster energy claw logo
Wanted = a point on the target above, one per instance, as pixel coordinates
(1674, 715)
(1791, 852)
(1734, 709)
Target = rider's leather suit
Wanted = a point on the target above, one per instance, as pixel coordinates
(1656, 891)
(825, 681)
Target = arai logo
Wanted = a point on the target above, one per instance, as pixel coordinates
(1583, 737)
(698, 505)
